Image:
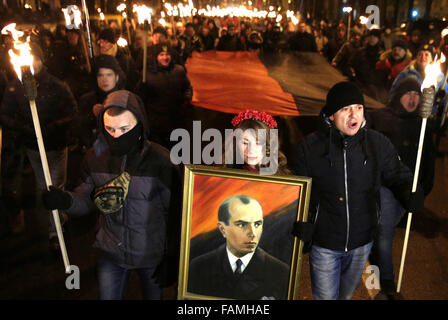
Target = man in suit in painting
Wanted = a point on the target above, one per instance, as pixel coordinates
(239, 269)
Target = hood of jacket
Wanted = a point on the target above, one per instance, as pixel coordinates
(394, 104)
(126, 100)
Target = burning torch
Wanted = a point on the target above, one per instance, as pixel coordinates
(73, 13)
(349, 11)
(23, 66)
(170, 9)
(121, 8)
(144, 16)
(428, 87)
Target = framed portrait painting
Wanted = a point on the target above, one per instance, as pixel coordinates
(236, 240)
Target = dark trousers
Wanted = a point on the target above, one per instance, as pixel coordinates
(391, 214)
(113, 281)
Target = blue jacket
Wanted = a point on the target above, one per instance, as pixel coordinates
(411, 71)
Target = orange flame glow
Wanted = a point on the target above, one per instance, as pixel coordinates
(72, 13)
(121, 42)
(143, 13)
(24, 58)
(432, 73)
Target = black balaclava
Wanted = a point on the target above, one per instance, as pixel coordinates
(127, 142)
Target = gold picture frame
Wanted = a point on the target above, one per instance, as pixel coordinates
(283, 199)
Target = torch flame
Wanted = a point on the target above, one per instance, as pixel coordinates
(143, 13)
(121, 7)
(162, 22)
(279, 18)
(121, 42)
(24, 58)
(72, 12)
(294, 20)
(432, 73)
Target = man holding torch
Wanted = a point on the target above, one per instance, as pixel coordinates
(400, 121)
(56, 107)
(135, 188)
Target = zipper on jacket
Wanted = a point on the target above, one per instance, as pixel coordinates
(317, 213)
(346, 195)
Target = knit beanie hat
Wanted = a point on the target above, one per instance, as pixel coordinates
(375, 32)
(162, 47)
(400, 43)
(108, 34)
(107, 61)
(161, 30)
(340, 95)
(427, 47)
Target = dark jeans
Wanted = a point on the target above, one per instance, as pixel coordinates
(335, 275)
(113, 281)
(391, 214)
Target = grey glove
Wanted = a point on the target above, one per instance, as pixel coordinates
(425, 109)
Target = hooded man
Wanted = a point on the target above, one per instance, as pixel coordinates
(348, 164)
(136, 189)
(401, 123)
(166, 94)
(416, 70)
(109, 78)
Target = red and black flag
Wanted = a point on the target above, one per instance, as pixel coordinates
(287, 84)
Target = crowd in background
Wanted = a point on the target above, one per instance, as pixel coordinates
(371, 57)
(73, 86)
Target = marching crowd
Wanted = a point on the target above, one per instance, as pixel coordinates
(361, 163)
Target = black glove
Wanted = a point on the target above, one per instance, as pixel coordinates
(303, 230)
(416, 201)
(57, 199)
(165, 274)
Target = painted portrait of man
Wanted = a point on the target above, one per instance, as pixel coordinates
(239, 268)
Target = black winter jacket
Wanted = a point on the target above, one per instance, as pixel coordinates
(403, 130)
(164, 93)
(146, 228)
(347, 173)
(56, 107)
